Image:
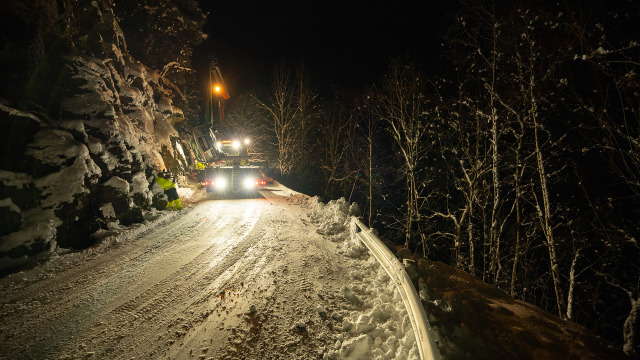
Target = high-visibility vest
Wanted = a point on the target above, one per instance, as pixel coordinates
(165, 183)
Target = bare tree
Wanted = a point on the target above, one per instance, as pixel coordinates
(336, 137)
(481, 33)
(290, 109)
(510, 143)
(462, 164)
(614, 111)
(403, 107)
(369, 134)
(367, 154)
(630, 337)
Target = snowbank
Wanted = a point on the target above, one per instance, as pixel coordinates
(471, 319)
(116, 234)
(374, 320)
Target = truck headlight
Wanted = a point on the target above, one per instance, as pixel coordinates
(249, 183)
(220, 183)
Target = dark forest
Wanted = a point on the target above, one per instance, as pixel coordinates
(518, 162)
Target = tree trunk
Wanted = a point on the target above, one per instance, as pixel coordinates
(494, 249)
(458, 238)
(572, 284)
(409, 211)
(370, 173)
(628, 333)
(547, 226)
(472, 250)
(518, 220)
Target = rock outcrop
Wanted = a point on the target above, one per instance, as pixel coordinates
(83, 123)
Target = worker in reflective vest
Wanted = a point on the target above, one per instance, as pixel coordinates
(169, 187)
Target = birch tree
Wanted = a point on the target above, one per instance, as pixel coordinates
(481, 35)
(366, 153)
(614, 115)
(462, 165)
(290, 109)
(553, 191)
(403, 107)
(336, 137)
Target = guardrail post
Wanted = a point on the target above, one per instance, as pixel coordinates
(412, 271)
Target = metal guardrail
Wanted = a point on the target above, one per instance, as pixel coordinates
(421, 328)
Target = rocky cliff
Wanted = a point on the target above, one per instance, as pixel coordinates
(86, 117)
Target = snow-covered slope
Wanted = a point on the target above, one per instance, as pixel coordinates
(471, 319)
(475, 320)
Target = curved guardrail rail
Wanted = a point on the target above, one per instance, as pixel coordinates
(421, 328)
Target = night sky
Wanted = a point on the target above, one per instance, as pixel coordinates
(340, 44)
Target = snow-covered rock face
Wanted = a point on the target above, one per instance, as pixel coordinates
(128, 110)
(68, 174)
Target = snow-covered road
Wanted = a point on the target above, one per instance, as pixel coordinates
(224, 279)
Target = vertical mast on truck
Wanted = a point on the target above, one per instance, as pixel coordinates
(217, 93)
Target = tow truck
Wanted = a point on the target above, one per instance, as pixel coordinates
(227, 164)
(224, 164)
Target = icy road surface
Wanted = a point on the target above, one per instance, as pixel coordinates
(224, 279)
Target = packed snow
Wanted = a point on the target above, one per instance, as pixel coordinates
(301, 285)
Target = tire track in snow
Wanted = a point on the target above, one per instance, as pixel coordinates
(173, 294)
(229, 279)
(75, 312)
(178, 297)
